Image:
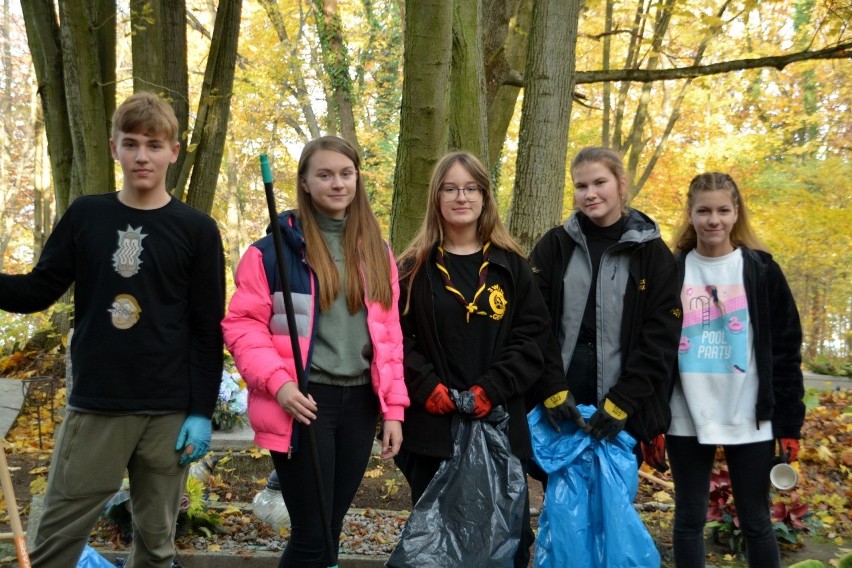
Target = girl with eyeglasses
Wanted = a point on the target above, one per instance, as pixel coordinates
(738, 382)
(472, 320)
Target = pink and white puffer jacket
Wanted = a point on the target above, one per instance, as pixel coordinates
(265, 359)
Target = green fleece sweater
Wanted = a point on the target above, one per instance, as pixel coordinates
(342, 349)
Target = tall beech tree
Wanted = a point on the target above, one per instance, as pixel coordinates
(539, 188)
(73, 47)
(424, 117)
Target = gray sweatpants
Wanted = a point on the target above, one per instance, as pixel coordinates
(89, 460)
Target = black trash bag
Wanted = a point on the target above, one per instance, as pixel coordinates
(471, 512)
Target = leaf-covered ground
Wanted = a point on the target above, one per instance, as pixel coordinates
(825, 479)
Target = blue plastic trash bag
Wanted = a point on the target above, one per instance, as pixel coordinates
(91, 559)
(471, 512)
(588, 519)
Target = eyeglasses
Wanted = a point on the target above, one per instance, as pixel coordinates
(451, 193)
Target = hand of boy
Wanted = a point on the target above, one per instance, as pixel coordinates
(193, 438)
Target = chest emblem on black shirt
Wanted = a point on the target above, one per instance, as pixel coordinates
(125, 311)
(125, 259)
(497, 301)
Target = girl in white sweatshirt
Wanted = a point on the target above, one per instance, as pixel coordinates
(739, 380)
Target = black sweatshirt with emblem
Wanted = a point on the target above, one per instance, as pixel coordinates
(149, 297)
(520, 362)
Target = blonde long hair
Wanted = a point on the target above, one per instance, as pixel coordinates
(431, 232)
(365, 252)
(742, 235)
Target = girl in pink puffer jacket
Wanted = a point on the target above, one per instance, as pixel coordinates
(344, 289)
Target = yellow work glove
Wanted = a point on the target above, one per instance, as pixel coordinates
(607, 421)
(561, 407)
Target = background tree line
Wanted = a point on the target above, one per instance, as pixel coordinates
(755, 88)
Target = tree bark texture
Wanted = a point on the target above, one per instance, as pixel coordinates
(92, 169)
(211, 125)
(336, 59)
(160, 62)
(43, 38)
(42, 198)
(104, 13)
(543, 141)
(424, 124)
(468, 129)
(501, 105)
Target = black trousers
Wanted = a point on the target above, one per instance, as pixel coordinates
(344, 428)
(748, 466)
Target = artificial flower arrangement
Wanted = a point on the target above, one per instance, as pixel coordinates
(232, 403)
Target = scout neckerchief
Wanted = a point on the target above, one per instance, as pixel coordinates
(470, 307)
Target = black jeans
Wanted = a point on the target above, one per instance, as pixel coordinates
(748, 465)
(419, 471)
(344, 428)
(582, 375)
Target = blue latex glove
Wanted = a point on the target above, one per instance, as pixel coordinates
(195, 432)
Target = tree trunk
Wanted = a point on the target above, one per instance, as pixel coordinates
(546, 112)
(813, 332)
(233, 223)
(631, 62)
(605, 61)
(336, 58)
(92, 170)
(211, 124)
(104, 14)
(42, 198)
(674, 114)
(635, 139)
(43, 38)
(501, 104)
(424, 120)
(160, 63)
(468, 129)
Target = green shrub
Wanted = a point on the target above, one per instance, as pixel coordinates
(834, 366)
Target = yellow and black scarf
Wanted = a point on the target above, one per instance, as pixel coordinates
(470, 307)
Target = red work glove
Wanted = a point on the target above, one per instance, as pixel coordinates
(654, 453)
(789, 449)
(439, 402)
(482, 404)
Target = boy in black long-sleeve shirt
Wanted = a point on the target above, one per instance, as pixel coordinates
(147, 346)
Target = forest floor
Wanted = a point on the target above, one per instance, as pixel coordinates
(384, 488)
(814, 521)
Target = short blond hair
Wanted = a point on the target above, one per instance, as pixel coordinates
(145, 113)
